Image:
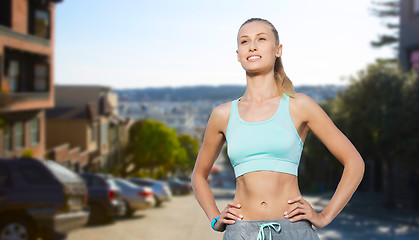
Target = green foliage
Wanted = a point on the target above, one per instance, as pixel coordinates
(191, 147)
(141, 174)
(3, 123)
(387, 9)
(373, 110)
(378, 112)
(156, 147)
(28, 153)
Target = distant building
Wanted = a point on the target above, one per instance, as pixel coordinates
(85, 122)
(26, 74)
(409, 34)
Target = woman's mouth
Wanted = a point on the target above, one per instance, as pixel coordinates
(254, 58)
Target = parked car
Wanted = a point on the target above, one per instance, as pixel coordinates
(184, 178)
(135, 197)
(177, 186)
(161, 189)
(40, 198)
(105, 199)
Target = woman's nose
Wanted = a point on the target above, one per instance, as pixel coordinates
(252, 46)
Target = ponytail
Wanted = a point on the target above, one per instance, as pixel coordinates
(282, 81)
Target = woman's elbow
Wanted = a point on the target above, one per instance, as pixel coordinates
(359, 167)
(196, 177)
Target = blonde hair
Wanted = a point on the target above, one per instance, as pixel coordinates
(282, 81)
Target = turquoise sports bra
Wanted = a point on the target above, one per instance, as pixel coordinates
(271, 145)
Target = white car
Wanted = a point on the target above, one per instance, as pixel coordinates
(135, 197)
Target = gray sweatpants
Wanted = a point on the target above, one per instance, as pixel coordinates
(279, 229)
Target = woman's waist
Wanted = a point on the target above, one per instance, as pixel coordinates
(265, 202)
(258, 210)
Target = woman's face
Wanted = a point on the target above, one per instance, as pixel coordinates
(257, 39)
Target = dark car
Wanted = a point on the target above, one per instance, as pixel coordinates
(177, 186)
(39, 198)
(105, 200)
(161, 189)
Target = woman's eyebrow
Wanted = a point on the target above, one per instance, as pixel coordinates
(256, 35)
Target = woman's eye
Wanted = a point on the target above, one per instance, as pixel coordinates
(262, 39)
(243, 41)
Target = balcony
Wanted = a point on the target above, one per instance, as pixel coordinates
(7, 99)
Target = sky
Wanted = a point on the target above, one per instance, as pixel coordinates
(140, 44)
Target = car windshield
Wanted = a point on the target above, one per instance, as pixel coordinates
(126, 183)
(63, 174)
(112, 182)
(141, 181)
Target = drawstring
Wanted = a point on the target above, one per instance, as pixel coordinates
(261, 235)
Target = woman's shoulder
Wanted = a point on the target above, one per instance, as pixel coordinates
(302, 100)
(306, 105)
(221, 113)
(223, 110)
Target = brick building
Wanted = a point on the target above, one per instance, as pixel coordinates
(26, 74)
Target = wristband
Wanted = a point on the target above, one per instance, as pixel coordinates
(214, 220)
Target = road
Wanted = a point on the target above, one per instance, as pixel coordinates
(183, 219)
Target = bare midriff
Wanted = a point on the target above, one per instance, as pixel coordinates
(263, 195)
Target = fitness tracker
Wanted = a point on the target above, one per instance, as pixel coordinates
(214, 220)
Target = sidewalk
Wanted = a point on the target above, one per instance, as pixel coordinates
(371, 205)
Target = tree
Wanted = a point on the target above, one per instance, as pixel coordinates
(152, 145)
(375, 112)
(387, 9)
(191, 147)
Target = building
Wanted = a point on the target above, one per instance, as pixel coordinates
(409, 34)
(26, 74)
(84, 122)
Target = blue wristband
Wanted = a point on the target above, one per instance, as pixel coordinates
(214, 220)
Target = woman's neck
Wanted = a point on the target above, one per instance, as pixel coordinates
(260, 87)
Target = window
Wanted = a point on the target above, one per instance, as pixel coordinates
(5, 180)
(14, 75)
(35, 175)
(39, 18)
(41, 23)
(104, 134)
(7, 139)
(5, 13)
(19, 134)
(97, 182)
(85, 180)
(41, 77)
(60, 172)
(34, 131)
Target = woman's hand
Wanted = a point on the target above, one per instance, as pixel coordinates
(301, 209)
(228, 216)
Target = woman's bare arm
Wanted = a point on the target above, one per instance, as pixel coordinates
(212, 144)
(340, 146)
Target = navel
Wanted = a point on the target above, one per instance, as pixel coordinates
(263, 204)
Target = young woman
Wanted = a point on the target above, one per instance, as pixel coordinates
(265, 131)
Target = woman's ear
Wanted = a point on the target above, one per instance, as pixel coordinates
(238, 59)
(278, 52)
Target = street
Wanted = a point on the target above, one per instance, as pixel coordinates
(183, 218)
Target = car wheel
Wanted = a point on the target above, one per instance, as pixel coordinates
(158, 202)
(98, 214)
(128, 211)
(17, 228)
